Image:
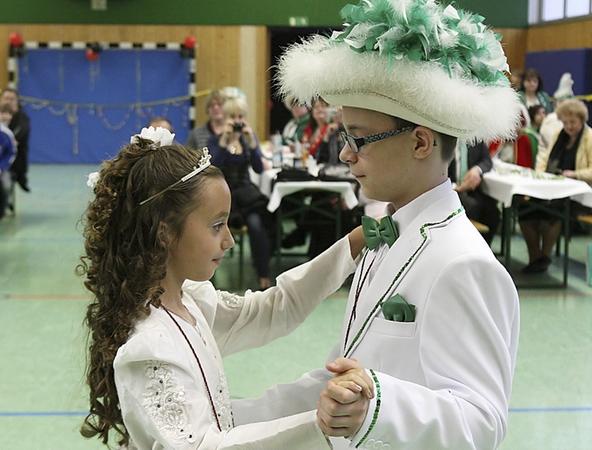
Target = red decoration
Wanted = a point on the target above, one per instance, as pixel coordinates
(189, 42)
(15, 39)
(91, 55)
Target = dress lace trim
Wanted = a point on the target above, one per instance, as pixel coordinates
(230, 300)
(164, 400)
(221, 398)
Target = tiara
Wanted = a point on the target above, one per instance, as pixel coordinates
(204, 163)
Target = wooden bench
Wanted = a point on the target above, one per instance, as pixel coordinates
(587, 219)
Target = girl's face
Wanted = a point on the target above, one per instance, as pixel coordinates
(531, 85)
(205, 236)
(319, 112)
(539, 117)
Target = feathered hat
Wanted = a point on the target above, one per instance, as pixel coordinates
(432, 65)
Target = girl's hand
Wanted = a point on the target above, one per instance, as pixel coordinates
(356, 241)
(569, 173)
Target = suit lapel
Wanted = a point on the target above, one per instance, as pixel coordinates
(396, 264)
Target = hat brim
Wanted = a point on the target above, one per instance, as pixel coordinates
(420, 92)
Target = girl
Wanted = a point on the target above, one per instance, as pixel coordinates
(159, 220)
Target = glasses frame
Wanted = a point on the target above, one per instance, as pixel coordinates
(356, 143)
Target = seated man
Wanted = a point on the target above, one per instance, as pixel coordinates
(478, 206)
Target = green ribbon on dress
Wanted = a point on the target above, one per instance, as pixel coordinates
(376, 233)
(397, 309)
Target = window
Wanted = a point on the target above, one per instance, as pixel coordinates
(549, 10)
(576, 8)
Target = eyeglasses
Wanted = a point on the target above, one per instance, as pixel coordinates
(356, 143)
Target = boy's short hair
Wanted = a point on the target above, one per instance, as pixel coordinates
(448, 142)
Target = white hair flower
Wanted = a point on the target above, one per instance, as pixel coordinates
(92, 180)
(160, 136)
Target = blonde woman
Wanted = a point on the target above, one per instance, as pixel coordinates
(234, 151)
(570, 155)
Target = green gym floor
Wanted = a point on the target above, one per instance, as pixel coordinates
(42, 302)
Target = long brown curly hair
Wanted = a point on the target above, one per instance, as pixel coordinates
(126, 248)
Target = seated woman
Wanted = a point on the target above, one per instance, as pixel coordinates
(234, 151)
(570, 156)
(530, 139)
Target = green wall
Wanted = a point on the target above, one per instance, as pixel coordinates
(500, 13)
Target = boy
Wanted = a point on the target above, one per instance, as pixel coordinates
(431, 312)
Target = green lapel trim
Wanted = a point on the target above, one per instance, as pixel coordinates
(376, 409)
(424, 234)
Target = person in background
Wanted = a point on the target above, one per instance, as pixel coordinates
(7, 155)
(478, 206)
(20, 126)
(236, 150)
(531, 91)
(551, 124)
(294, 129)
(199, 137)
(162, 122)
(333, 141)
(570, 155)
(317, 127)
(530, 140)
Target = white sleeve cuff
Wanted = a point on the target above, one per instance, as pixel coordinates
(371, 416)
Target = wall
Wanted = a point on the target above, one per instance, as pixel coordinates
(499, 13)
(226, 55)
(566, 35)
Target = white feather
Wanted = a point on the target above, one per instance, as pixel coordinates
(318, 67)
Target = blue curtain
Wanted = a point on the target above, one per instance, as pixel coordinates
(91, 109)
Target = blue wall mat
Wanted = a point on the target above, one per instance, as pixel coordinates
(552, 64)
(90, 109)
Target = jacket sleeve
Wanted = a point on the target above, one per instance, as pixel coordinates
(163, 408)
(252, 320)
(468, 341)
(285, 399)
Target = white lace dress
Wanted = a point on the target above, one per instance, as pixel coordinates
(164, 400)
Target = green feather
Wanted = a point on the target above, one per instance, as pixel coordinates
(413, 29)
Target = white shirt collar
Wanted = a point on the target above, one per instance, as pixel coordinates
(405, 215)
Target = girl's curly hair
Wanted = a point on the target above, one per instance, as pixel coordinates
(126, 247)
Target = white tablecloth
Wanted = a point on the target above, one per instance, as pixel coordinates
(507, 180)
(283, 188)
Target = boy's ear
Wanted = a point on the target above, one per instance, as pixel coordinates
(425, 140)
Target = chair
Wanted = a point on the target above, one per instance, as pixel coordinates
(239, 233)
(481, 227)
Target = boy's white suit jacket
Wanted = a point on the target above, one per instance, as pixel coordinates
(444, 380)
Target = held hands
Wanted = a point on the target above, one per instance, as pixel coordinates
(343, 404)
(471, 181)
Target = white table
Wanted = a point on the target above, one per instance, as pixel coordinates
(507, 180)
(284, 188)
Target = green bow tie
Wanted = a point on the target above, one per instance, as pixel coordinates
(397, 309)
(375, 233)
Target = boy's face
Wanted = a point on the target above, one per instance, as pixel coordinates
(9, 98)
(5, 117)
(205, 236)
(385, 168)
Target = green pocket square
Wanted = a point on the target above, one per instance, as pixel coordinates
(397, 309)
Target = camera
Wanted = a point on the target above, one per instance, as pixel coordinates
(238, 127)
